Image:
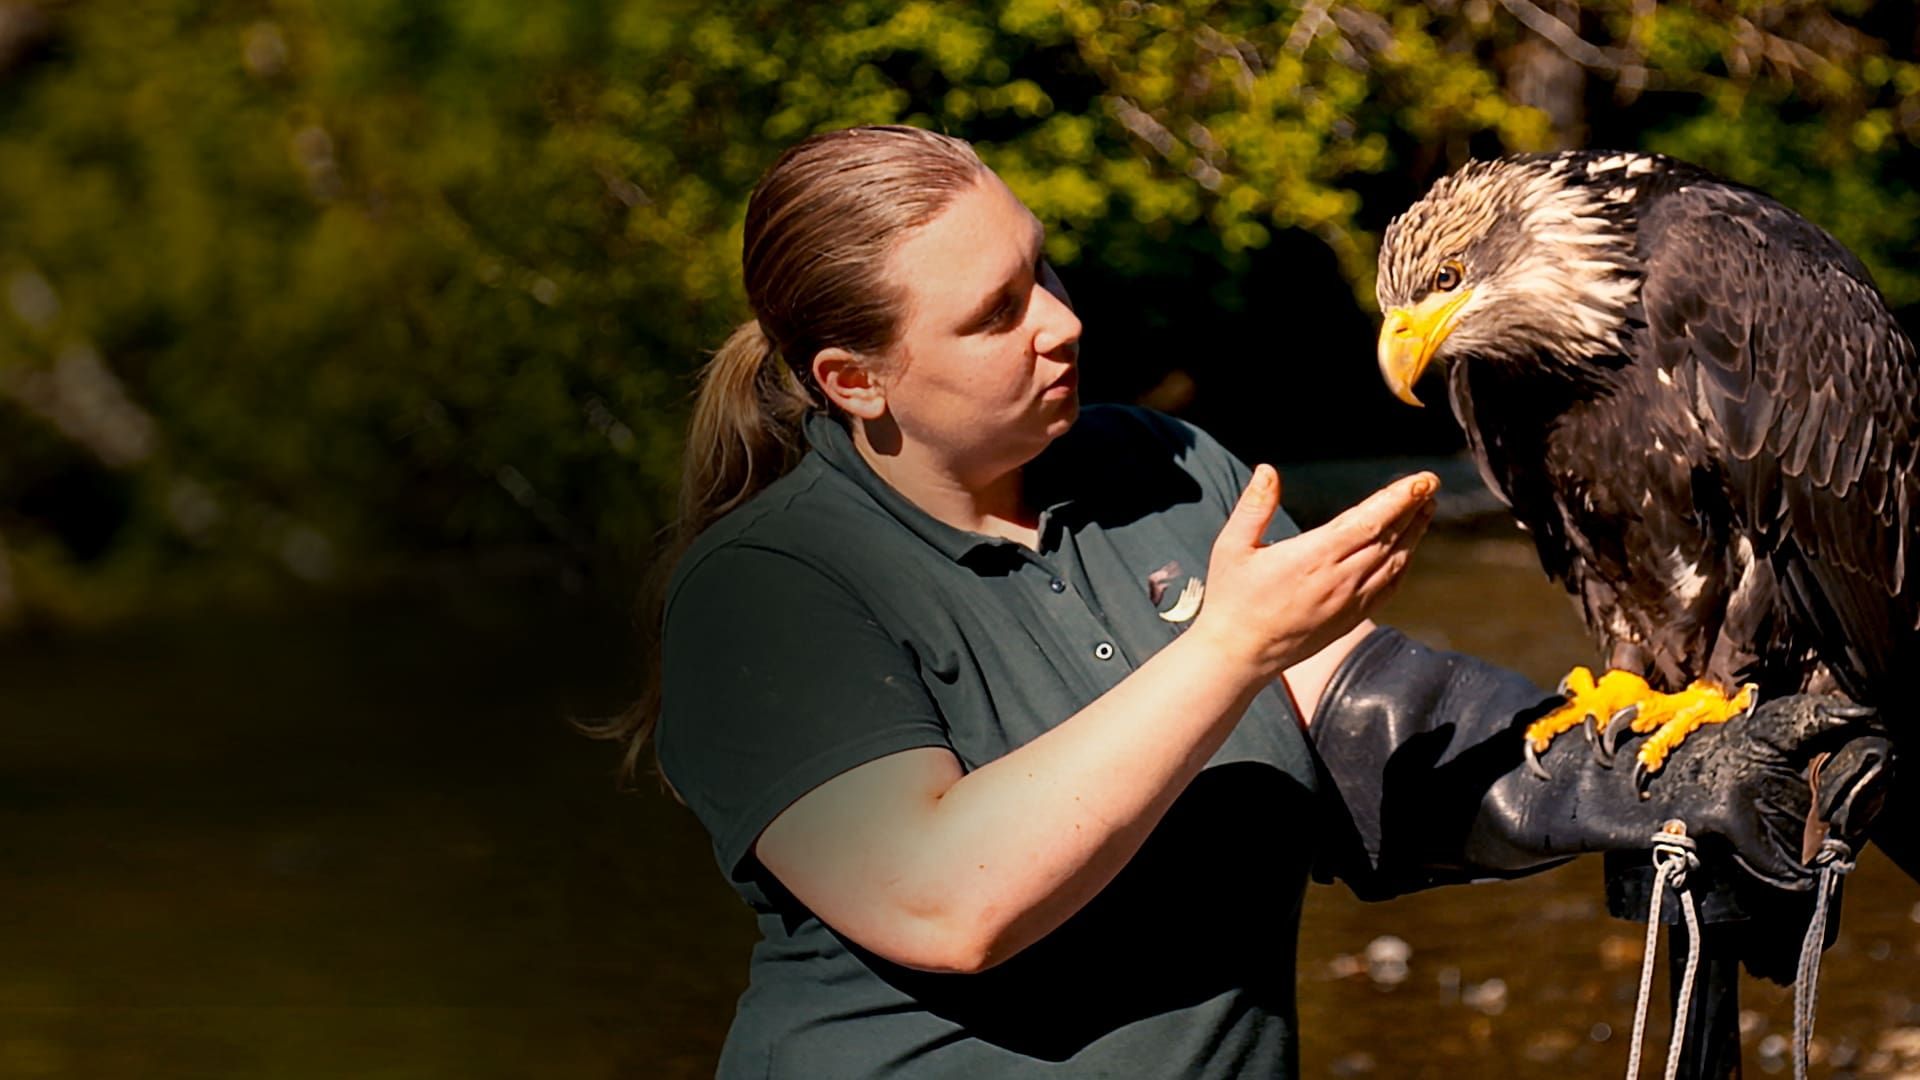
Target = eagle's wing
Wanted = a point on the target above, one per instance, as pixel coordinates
(1808, 396)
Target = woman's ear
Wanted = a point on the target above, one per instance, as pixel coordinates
(849, 384)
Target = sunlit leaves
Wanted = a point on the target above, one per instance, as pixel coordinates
(411, 275)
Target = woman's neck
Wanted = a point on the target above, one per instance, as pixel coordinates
(991, 502)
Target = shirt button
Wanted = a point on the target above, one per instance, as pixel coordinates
(1057, 585)
(1103, 651)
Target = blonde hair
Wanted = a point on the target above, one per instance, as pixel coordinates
(820, 225)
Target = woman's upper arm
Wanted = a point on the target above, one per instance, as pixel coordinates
(849, 850)
(777, 679)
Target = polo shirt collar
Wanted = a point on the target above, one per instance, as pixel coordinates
(1045, 478)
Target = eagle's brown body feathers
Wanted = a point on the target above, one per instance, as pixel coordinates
(1724, 474)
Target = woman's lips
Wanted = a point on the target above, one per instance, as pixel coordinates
(1065, 384)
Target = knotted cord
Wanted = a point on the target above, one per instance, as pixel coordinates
(1674, 856)
(1835, 860)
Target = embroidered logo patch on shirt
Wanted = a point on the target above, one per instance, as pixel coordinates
(1186, 604)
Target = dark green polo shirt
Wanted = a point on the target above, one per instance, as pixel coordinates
(830, 622)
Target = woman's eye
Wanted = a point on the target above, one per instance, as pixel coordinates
(1009, 313)
(1447, 278)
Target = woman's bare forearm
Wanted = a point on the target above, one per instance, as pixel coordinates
(936, 868)
(1020, 844)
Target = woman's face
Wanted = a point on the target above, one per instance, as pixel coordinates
(985, 372)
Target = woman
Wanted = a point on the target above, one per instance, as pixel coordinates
(994, 706)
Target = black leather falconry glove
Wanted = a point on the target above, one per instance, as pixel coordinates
(1424, 750)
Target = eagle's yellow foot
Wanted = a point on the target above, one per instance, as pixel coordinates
(1588, 703)
(1671, 718)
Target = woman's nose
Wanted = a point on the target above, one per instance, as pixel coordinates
(1057, 326)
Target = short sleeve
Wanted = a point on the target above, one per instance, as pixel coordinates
(1217, 468)
(776, 679)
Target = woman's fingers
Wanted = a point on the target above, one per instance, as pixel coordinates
(1380, 579)
(1376, 522)
(1248, 522)
(1284, 600)
(1415, 521)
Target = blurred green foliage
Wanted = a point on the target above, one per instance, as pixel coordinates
(290, 289)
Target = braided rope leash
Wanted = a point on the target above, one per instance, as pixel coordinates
(1674, 856)
(1835, 860)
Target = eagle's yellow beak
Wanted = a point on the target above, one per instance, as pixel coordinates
(1410, 335)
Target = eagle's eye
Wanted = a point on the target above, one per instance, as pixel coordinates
(1447, 278)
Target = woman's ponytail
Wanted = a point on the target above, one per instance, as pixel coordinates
(746, 430)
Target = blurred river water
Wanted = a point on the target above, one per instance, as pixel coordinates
(363, 842)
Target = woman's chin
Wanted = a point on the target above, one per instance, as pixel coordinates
(1061, 412)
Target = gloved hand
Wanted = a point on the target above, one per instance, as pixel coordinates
(1424, 750)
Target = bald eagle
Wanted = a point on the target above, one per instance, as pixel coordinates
(1698, 405)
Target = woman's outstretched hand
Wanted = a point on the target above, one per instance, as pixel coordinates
(1274, 605)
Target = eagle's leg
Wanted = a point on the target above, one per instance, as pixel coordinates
(1716, 696)
(1590, 702)
(1672, 717)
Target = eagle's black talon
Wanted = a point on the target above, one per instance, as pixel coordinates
(1617, 724)
(1642, 779)
(1845, 712)
(1533, 763)
(1600, 753)
(1563, 689)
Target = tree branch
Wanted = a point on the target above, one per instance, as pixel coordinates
(1561, 36)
